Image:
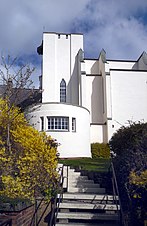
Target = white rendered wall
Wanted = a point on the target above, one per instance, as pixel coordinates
(128, 98)
(96, 133)
(94, 98)
(73, 144)
(127, 65)
(93, 90)
(109, 97)
(92, 66)
(102, 69)
(49, 68)
(59, 62)
(76, 45)
(63, 61)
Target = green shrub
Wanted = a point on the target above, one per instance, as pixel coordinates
(100, 150)
(130, 147)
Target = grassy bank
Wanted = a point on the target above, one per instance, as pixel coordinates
(97, 165)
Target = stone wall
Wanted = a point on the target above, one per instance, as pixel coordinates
(25, 216)
(19, 218)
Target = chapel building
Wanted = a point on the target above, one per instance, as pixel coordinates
(86, 100)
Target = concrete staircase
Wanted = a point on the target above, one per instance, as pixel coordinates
(85, 203)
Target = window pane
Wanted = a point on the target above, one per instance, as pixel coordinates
(58, 123)
(41, 123)
(73, 124)
(49, 123)
(63, 91)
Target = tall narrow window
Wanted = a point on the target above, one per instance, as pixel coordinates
(63, 91)
(42, 123)
(73, 125)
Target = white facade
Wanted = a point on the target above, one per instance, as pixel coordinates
(59, 62)
(127, 98)
(68, 138)
(87, 100)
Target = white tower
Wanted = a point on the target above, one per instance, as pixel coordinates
(61, 114)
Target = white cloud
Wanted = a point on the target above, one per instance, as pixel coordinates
(114, 25)
(117, 26)
(124, 38)
(22, 22)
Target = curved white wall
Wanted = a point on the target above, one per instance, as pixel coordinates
(73, 144)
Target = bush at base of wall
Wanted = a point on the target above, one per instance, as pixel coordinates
(100, 150)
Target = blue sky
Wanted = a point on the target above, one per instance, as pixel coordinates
(118, 26)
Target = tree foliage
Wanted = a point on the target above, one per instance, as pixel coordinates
(130, 146)
(28, 165)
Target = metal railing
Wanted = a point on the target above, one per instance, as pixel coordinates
(35, 220)
(115, 194)
(59, 196)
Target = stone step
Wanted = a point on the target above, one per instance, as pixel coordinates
(87, 190)
(92, 197)
(73, 173)
(82, 181)
(88, 216)
(86, 224)
(83, 185)
(71, 169)
(86, 202)
(83, 205)
(77, 177)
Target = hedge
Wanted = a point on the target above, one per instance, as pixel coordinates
(100, 150)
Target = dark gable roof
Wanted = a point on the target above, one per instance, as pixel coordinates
(22, 97)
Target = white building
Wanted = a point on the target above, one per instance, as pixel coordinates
(86, 100)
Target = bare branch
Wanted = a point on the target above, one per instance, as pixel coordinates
(20, 77)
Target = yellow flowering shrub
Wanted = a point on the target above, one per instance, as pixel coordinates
(139, 180)
(28, 165)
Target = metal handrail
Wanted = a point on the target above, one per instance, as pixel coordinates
(116, 193)
(43, 213)
(55, 208)
(35, 213)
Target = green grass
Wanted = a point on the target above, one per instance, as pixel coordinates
(98, 165)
